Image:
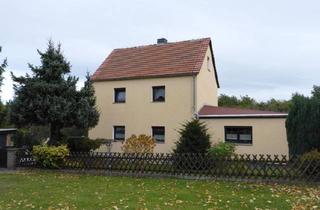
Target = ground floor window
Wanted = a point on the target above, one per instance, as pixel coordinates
(158, 133)
(119, 132)
(238, 134)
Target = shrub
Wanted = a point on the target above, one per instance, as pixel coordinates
(312, 155)
(140, 144)
(50, 157)
(29, 137)
(310, 162)
(83, 144)
(222, 149)
(73, 131)
(193, 138)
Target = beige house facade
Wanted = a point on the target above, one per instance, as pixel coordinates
(153, 89)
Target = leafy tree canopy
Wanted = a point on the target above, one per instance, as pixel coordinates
(49, 96)
(250, 103)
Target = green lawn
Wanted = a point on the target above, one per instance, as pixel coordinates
(40, 190)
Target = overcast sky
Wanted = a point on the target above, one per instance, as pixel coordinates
(265, 49)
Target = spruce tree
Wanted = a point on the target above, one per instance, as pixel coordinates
(87, 114)
(3, 65)
(49, 96)
(194, 138)
(3, 108)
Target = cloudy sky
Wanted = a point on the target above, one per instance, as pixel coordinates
(265, 49)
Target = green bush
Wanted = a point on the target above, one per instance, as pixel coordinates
(50, 157)
(312, 155)
(222, 149)
(73, 131)
(29, 137)
(83, 144)
(310, 161)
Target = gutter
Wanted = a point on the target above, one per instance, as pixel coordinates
(245, 116)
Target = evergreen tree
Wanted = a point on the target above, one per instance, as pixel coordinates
(49, 96)
(3, 108)
(3, 65)
(303, 123)
(87, 115)
(193, 138)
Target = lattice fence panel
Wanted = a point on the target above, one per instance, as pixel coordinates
(267, 167)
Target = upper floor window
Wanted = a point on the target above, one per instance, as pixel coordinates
(238, 134)
(158, 93)
(158, 133)
(119, 95)
(208, 63)
(119, 132)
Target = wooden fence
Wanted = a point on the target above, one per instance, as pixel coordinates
(243, 167)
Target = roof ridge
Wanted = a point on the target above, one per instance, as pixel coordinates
(169, 43)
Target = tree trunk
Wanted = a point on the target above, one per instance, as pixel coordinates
(55, 135)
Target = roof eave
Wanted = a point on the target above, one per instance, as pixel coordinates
(144, 77)
(214, 64)
(244, 116)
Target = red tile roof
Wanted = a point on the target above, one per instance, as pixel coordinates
(158, 60)
(225, 112)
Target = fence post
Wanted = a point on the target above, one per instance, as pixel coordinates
(11, 157)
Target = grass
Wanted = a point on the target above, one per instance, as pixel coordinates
(45, 190)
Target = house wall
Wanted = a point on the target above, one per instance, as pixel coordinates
(139, 113)
(268, 134)
(206, 84)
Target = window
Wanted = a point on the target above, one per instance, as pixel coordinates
(208, 63)
(119, 132)
(158, 133)
(158, 93)
(119, 95)
(238, 134)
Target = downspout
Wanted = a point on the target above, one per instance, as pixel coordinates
(194, 97)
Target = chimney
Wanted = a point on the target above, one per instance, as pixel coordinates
(162, 41)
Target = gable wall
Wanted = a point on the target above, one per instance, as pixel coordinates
(206, 84)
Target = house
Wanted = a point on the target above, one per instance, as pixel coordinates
(153, 89)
